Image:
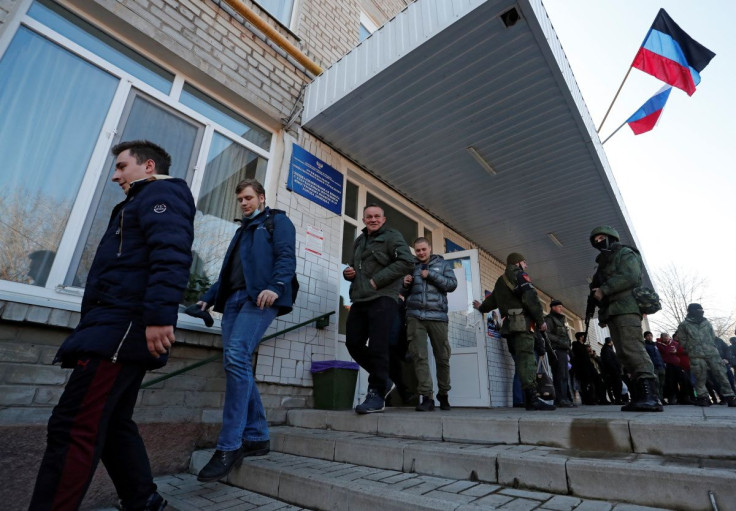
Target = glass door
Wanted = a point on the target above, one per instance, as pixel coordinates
(468, 361)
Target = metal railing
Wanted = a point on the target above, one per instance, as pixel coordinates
(320, 322)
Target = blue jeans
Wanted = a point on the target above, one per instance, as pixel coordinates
(243, 416)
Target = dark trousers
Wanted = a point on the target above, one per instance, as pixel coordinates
(93, 421)
(561, 376)
(614, 386)
(367, 335)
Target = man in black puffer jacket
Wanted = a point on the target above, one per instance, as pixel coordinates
(426, 315)
(129, 312)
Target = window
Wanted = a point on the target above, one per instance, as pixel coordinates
(200, 102)
(53, 106)
(279, 9)
(228, 163)
(95, 40)
(406, 226)
(65, 87)
(366, 27)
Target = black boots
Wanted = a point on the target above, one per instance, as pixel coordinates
(427, 404)
(444, 402)
(154, 503)
(644, 397)
(534, 402)
(220, 465)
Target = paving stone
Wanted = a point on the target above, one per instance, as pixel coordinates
(494, 499)
(520, 505)
(525, 494)
(561, 503)
(594, 505)
(458, 486)
(481, 490)
(450, 497)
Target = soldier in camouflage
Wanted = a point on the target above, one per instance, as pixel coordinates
(696, 335)
(619, 272)
(515, 296)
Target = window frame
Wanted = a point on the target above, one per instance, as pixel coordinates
(54, 293)
(367, 22)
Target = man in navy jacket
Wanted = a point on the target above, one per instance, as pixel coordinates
(129, 312)
(255, 286)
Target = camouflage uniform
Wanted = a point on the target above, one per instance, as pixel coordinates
(523, 296)
(618, 273)
(697, 337)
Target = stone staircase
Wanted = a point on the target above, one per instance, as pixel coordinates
(587, 458)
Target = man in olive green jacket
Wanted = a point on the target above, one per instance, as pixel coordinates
(696, 335)
(378, 263)
(619, 273)
(515, 297)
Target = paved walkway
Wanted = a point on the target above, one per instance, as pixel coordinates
(185, 493)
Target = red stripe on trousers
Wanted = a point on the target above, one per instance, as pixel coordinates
(83, 438)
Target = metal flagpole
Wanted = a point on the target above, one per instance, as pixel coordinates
(612, 134)
(614, 100)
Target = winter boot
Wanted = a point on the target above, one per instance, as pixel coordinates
(644, 397)
(702, 401)
(427, 404)
(534, 402)
(444, 402)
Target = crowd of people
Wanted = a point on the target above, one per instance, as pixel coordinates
(598, 379)
(141, 270)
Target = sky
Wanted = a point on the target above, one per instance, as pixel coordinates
(677, 181)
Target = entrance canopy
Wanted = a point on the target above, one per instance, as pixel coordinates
(470, 110)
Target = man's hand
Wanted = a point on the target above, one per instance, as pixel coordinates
(597, 294)
(424, 274)
(408, 280)
(349, 273)
(373, 284)
(266, 298)
(202, 305)
(476, 304)
(159, 339)
(543, 326)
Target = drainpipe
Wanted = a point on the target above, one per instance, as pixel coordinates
(253, 18)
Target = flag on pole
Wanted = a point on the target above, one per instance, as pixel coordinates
(647, 116)
(671, 55)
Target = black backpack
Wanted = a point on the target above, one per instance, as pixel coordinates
(268, 224)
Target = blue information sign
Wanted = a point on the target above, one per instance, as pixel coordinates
(314, 179)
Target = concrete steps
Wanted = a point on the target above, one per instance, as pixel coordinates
(334, 486)
(587, 458)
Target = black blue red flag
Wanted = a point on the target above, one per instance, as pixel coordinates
(671, 55)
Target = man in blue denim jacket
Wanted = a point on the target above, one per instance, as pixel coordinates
(255, 286)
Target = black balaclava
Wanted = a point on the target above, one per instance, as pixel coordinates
(604, 245)
(695, 312)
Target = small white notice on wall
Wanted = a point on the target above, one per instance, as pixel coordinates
(315, 240)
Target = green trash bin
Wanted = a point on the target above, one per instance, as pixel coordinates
(334, 384)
